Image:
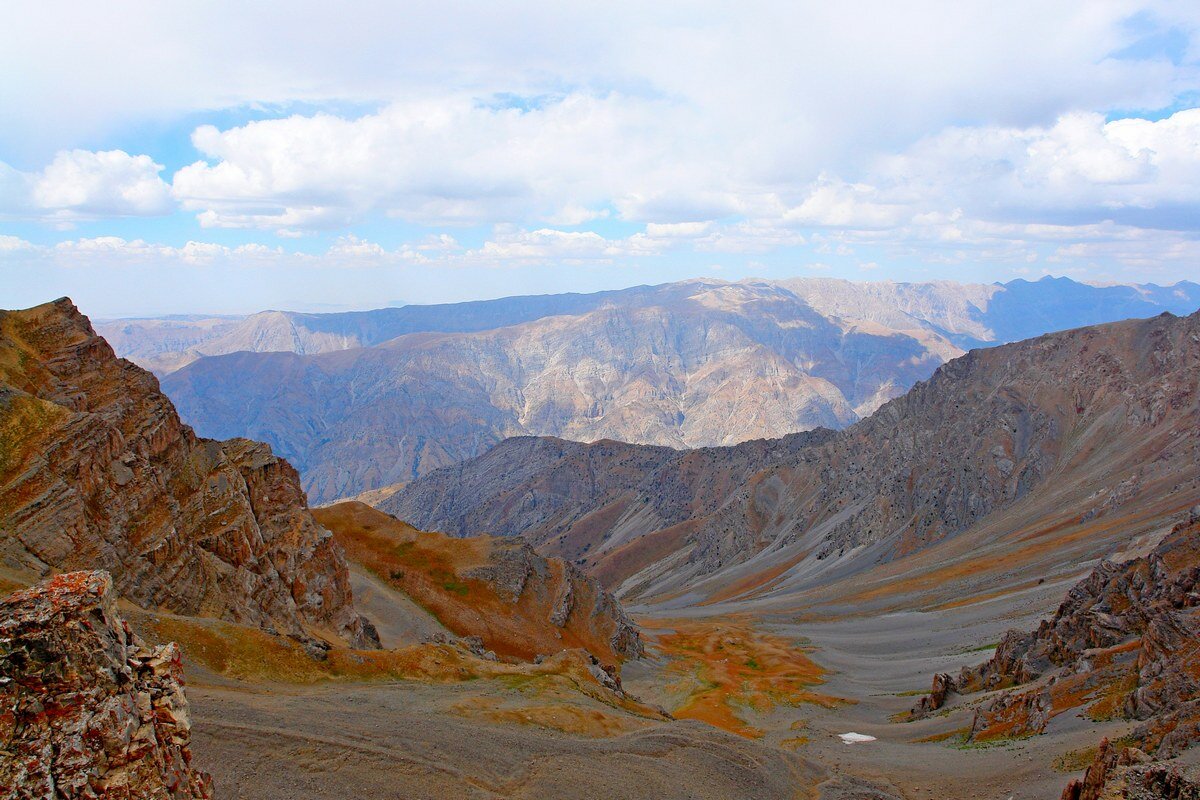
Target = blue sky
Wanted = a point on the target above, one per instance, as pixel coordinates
(227, 158)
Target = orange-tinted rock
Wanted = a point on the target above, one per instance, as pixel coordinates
(97, 471)
(86, 709)
(1126, 641)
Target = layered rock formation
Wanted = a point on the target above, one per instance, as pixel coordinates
(165, 344)
(698, 363)
(97, 471)
(86, 709)
(498, 592)
(1129, 632)
(1085, 424)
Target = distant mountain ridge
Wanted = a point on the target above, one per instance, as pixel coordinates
(690, 364)
(986, 312)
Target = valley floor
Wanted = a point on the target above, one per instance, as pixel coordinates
(513, 738)
(881, 665)
(413, 741)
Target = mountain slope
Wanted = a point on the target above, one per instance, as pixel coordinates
(1072, 427)
(98, 472)
(692, 364)
(518, 603)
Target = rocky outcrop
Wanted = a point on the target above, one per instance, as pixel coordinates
(86, 709)
(944, 685)
(1124, 643)
(497, 594)
(97, 471)
(1133, 628)
(1107, 412)
(1129, 774)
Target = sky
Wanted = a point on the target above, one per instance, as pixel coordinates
(160, 158)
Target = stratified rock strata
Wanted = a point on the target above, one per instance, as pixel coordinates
(1083, 426)
(97, 471)
(689, 364)
(86, 709)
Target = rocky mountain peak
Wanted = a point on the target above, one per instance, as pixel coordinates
(96, 470)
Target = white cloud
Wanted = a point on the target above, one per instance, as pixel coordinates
(836, 204)
(507, 246)
(546, 244)
(14, 244)
(1081, 163)
(81, 184)
(354, 247)
(115, 251)
(944, 134)
(678, 230)
(575, 112)
(447, 161)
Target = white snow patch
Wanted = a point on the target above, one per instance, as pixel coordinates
(855, 738)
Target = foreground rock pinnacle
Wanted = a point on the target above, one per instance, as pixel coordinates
(87, 710)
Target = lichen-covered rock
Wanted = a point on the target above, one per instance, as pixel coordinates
(98, 472)
(86, 709)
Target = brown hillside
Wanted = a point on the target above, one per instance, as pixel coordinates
(520, 604)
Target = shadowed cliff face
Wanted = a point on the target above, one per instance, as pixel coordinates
(97, 471)
(1082, 424)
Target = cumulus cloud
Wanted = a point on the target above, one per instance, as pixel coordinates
(1080, 164)
(547, 244)
(506, 246)
(1009, 194)
(117, 251)
(844, 128)
(451, 160)
(82, 184)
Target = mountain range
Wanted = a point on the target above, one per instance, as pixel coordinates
(902, 544)
(201, 556)
(366, 400)
(1080, 427)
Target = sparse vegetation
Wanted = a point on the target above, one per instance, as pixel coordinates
(727, 667)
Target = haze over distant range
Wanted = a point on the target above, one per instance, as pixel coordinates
(359, 401)
(316, 160)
